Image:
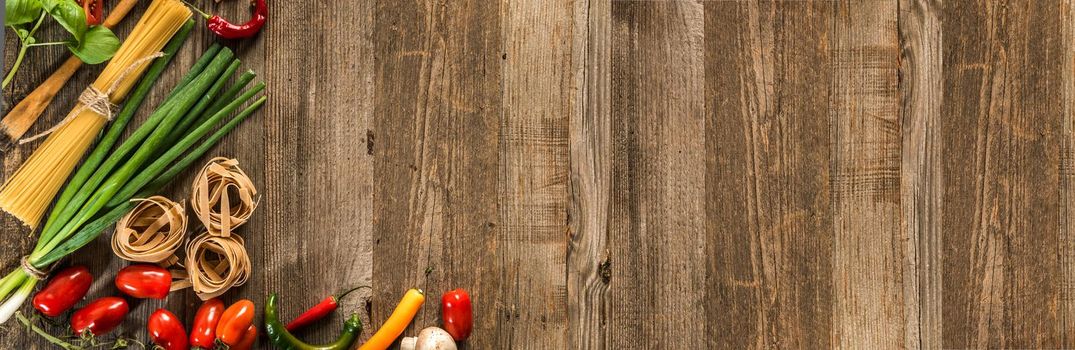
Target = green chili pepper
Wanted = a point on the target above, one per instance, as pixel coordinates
(283, 339)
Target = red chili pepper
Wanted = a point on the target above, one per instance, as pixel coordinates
(235, 321)
(248, 339)
(457, 313)
(144, 281)
(93, 10)
(99, 316)
(226, 30)
(319, 311)
(166, 330)
(65, 289)
(203, 332)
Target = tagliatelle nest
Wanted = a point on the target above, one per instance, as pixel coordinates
(214, 264)
(223, 196)
(151, 232)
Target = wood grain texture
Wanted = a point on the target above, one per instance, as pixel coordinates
(532, 188)
(868, 252)
(671, 174)
(656, 221)
(318, 172)
(1067, 178)
(589, 268)
(437, 126)
(1001, 266)
(769, 202)
(921, 175)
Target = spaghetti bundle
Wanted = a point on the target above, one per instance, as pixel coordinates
(27, 194)
(151, 232)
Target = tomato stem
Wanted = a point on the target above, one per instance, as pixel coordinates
(51, 338)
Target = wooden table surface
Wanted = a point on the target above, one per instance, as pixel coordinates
(652, 174)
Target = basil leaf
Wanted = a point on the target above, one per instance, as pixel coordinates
(21, 11)
(97, 46)
(70, 16)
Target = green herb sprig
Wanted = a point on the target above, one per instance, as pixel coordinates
(91, 44)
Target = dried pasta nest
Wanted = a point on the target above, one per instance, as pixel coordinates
(151, 232)
(215, 264)
(223, 196)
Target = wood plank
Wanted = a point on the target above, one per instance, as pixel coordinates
(921, 176)
(316, 229)
(539, 79)
(436, 145)
(769, 202)
(868, 252)
(1000, 129)
(656, 225)
(589, 264)
(1067, 178)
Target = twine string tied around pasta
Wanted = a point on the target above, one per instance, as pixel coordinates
(96, 100)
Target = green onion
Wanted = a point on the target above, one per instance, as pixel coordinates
(202, 104)
(233, 91)
(84, 236)
(196, 69)
(182, 164)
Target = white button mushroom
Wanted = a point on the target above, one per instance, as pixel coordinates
(431, 338)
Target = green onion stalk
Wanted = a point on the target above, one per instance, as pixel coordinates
(101, 190)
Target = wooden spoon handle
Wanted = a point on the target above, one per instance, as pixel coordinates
(20, 118)
(26, 112)
(118, 12)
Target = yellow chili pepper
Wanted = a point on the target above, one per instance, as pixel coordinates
(394, 326)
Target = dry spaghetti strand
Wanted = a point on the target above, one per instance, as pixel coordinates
(151, 232)
(213, 192)
(214, 264)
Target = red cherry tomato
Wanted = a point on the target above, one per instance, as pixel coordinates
(65, 289)
(457, 313)
(203, 332)
(247, 342)
(166, 330)
(93, 11)
(144, 281)
(235, 321)
(99, 316)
